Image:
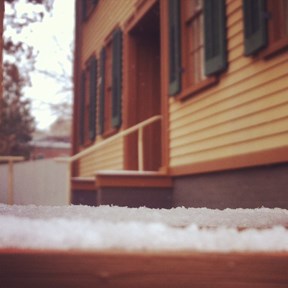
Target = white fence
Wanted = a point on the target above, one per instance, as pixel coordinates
(40, 182)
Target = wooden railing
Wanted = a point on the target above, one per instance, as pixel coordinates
(11, 160)
(138, 127)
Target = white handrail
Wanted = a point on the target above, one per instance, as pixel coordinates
(126, 132)
(140, 150)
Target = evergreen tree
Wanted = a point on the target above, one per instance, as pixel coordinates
(16, 122)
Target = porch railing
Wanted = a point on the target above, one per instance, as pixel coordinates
(10, 160)
(138, 127)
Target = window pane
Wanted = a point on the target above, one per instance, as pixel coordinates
(194, 44)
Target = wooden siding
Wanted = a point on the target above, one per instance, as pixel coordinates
(247, 112)
(109, 157)
(105, 17)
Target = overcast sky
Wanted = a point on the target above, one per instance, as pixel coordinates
(44, 90)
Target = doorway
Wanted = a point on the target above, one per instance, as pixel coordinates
(144, 94)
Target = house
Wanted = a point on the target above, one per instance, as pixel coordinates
(56, 142)
(49, 148)
(181, 103)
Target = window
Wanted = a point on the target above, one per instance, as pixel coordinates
(110, 85)
(193, 46)
(255, 28)
(265, 25)
(88, 102)
(197, 45)
(277, 25)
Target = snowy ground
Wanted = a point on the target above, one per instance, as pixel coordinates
(104, 227)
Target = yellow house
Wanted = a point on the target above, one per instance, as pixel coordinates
(181, 103)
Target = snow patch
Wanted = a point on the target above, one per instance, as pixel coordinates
(105, 227)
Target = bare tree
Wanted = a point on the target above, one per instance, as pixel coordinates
(64, 78)
(16, 122)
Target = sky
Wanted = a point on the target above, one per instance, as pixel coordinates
(52, 38)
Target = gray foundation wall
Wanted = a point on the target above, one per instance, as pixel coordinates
(136, 197)
(244, 188)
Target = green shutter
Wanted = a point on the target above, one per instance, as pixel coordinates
(102, 92)
(82, 110)
(215, 36)
(84, 10)
(255, 26)
(174, 48)
(93, 97)
(116, 78)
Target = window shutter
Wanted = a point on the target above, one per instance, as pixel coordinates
(82, 110)
(255, 26)
(174, 48)
(215, 36)
(116, 78)
(102, 92)
(84, 10)
(93, 97)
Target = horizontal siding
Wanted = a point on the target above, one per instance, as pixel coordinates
(238, 85)
(232, 6)
(246, 112)
(241, 148)
(259, 113)
(250, 132)
(256, 99)
(105, 17)
(109, 157)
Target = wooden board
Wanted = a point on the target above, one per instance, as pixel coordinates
(132, 179)
(24, 268)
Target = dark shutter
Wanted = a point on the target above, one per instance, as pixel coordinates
(255, 26)
(102, 92)
(82, 110)
(174, 47)
(215, 36)
(84, 10)
(93, 97)
(116, 78)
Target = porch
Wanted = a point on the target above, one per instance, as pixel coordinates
(131, 188)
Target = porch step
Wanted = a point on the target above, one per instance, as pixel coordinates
(83, 191)
(134, 188)
(83, 183)
(132, 178)
(123, 188)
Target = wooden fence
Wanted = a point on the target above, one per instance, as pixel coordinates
(40, 182)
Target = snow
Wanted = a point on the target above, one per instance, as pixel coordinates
(143, 229)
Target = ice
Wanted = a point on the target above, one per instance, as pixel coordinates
(111, 227)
